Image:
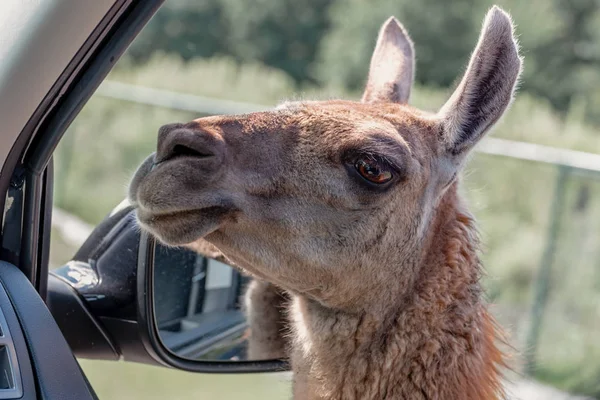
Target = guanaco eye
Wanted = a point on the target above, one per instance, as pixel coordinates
(374, 170)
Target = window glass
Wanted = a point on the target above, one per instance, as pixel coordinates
(534, 186)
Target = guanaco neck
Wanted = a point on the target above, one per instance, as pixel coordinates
(437, 344)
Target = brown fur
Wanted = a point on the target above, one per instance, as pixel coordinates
(440, 331)
(265, 307)
(384, 279)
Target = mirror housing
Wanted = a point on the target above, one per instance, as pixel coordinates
(104, 302)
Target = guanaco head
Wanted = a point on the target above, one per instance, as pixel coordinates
(330, 199)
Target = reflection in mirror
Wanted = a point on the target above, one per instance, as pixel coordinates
(200, 310)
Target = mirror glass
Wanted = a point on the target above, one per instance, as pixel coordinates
(198, 306)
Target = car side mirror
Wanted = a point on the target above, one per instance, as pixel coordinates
(137, 299)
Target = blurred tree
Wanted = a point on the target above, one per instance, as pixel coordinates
(187, 28)
(330, 41)
(444, 35)
(566, 67)
(283, 34)
(560, 41)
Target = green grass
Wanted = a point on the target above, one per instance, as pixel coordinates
(130, 381)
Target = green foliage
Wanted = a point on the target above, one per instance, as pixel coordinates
(559, 40)
(186, 28)
(330, 42)
(346, 50)
(283, 34)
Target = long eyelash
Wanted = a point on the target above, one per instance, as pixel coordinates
(378, 157)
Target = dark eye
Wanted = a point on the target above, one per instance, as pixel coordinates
(374, 170)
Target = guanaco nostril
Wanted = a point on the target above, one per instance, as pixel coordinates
(182, 150)
(185, 143)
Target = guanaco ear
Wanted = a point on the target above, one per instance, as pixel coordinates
(391, 73)
(487, 88)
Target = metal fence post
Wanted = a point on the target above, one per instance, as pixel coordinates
(542, 280)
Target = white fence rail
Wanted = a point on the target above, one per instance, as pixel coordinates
(71, 228)
(212, 106)
(174, 100)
